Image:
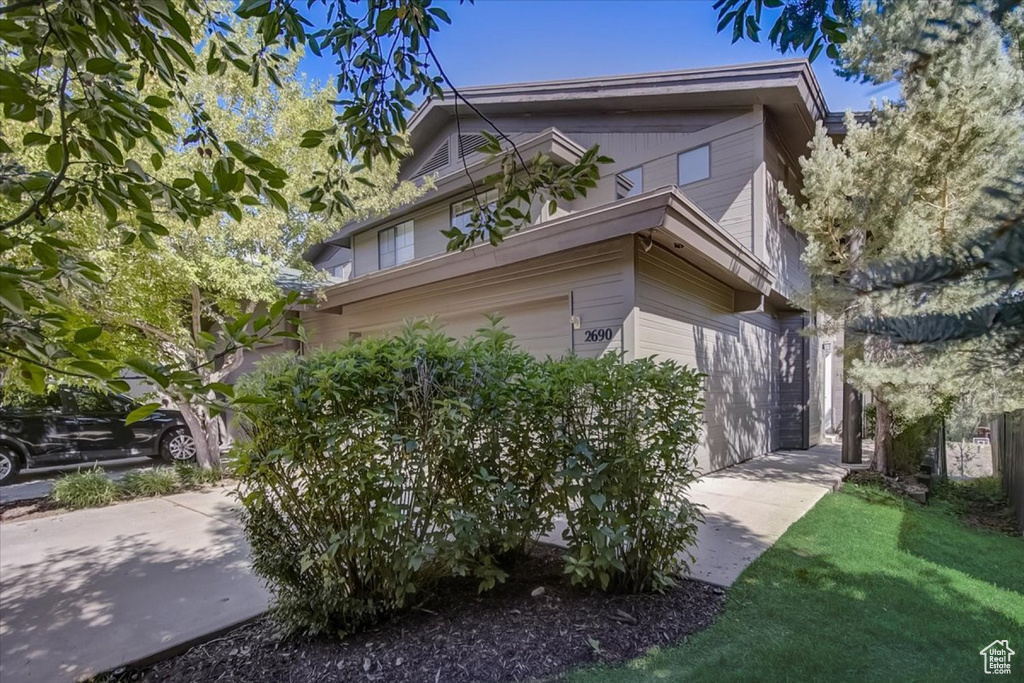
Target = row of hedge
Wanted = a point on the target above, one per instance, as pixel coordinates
(371, 471)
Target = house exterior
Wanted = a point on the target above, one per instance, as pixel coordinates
(680, 252)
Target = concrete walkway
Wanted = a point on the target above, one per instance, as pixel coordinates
(750, 505)
(87, 591)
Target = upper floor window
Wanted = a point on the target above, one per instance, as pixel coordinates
(629, 183)
(694, 165)
(463, 211)
(394, 245)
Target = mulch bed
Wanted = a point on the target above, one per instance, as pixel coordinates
(507, 634)
(33, 508)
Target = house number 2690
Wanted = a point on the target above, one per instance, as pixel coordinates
(601, 334)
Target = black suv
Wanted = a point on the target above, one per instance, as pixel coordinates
(72, 426)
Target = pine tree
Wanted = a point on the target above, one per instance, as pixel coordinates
(913, 185)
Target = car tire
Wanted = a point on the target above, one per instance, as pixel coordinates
(10, 464)
(178, 446)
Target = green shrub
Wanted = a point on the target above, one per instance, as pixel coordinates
(369, 472)
(500, 476)
(341, 476)
(192, 476)
(86, 489)
(912, 442)
(159, 481)
(630, 432)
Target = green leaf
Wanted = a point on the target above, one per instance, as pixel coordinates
(142, 412)
(46, 254)
(100, 65)
(277, 199)
(440, 14)
(55, 157)
(157, 101)
(10, 295)
(235, 211)
(251, 399)
(221, 388)
(252, 8)
(598, 499)
(91, 367)
(87, 334)
(34, 138)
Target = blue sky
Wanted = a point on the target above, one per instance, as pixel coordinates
(507, 41)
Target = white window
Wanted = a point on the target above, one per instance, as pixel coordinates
(629, 183)
(462, 211)
(395, 245)
(695, 165)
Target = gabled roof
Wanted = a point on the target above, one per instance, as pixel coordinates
(787, 86)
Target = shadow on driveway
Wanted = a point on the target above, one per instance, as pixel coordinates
(88, 591)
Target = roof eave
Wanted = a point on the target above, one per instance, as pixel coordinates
(675, 221)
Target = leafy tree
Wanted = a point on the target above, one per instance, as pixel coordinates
(914, 184)
(163, 307)
(101, 112)
(814, 25)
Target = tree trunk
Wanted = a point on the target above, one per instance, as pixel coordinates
(883, 458)
(853, 436)
(206, 432)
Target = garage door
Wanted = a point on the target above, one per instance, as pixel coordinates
(540, 327)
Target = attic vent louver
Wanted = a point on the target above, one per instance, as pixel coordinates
(470, 143)
(438, 159)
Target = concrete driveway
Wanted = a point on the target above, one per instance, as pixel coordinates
(38, 483)
(88, 591)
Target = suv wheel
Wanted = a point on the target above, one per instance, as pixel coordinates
(178, 446)
(10, 464)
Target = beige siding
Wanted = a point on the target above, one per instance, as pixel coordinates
(364, 253)
(427, 237)
(687, 316)
(541, 327)
(652, 141)
(727, 195)
(623, 135)
(783, 246)
(427, 226)
(596, 280)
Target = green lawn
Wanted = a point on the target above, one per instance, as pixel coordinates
(864, 587)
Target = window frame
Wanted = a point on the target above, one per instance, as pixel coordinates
(388, 245)
(679, 158)
(479, 199)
